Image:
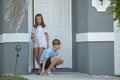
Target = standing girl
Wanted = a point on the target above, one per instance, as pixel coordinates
(39, 36)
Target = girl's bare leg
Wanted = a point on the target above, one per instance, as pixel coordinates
(40, 51)
(36, 54)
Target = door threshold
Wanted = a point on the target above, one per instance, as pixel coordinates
(57, 70)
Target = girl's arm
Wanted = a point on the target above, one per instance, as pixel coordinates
(43, 66)
(47, 37)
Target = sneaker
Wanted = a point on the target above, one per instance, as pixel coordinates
(49, 72)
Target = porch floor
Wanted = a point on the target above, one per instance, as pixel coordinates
(69, 76)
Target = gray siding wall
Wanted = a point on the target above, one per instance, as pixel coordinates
(79, 25)
(101, 54)
(74, 26)
(1, 23)
(92, 57)
(81, 16)
(1, 58)
(9, 58)
(99, 21)
(83, 57)
(7, 50)
(1, 45)
(6, 29)
(101, 58)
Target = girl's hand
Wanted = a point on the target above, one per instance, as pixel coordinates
(47, 45)
(42, 72)
(33, 40)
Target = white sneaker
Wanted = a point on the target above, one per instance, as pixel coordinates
(49, 72)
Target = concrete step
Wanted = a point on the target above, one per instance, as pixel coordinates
(69, 76)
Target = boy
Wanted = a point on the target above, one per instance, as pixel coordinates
(50, 59)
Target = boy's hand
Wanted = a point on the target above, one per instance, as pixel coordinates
(42, 72)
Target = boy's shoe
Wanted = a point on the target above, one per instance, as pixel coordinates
(49, 72)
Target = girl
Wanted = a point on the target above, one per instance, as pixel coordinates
(39, 37)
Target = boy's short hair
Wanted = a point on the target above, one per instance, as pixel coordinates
(56, 41)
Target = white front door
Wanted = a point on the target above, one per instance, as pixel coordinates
(57, 17)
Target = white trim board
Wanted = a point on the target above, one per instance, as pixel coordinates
(80, 37)
(14, 37)
(95, 37)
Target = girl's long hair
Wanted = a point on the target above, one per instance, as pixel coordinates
(42, 21)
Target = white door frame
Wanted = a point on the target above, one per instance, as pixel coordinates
(71, 30)
(30, 24)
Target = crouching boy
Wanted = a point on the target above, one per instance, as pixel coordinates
(50, 59)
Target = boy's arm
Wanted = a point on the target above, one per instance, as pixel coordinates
(43, 66)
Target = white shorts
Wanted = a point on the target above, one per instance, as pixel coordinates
(38, 44)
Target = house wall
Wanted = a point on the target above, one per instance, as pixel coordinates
(92, 57)
(1, 58)
(6, 29)
(101, 58)
(80, 25)
(101, 54)
(88, 57)
(74, 24)
(9, 58)
(82, 16)
(1, 45)
(7, 49)
(83, 57)
(99, 21)
(1, 18)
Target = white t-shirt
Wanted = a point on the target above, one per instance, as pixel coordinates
(40, 37)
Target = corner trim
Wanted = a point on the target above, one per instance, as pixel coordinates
(14, 37)
(95, 37)
(116, 49)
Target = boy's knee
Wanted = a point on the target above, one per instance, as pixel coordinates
(61, 60)
(57, 58)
